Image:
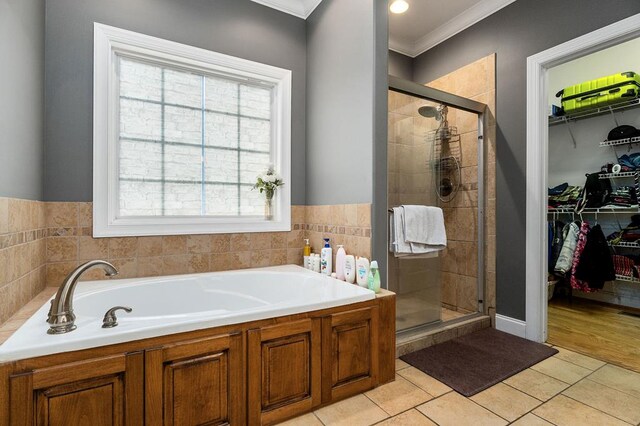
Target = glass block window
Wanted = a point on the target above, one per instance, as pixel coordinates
(190, 144)
(181, 134)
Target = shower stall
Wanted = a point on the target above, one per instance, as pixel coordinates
(436, 158)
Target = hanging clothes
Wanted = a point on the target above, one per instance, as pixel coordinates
(595, 265)
(556, 244)
(565, 258)
(575, 282)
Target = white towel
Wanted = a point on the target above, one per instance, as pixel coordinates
(424, 225)
(403, 246)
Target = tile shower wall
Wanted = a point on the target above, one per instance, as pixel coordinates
(40, 243)
(22, 253)
(459, 290)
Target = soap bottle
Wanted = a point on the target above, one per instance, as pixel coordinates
(316, 262)
(326, 258)
(306, 253)
(362, 271)
(350, 268)
(373, 278)
(340, 255)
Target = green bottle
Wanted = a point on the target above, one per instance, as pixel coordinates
(373, 279)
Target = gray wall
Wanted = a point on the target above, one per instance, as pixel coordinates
(521, 29)
(236, 27)
(21, 98)
(400, 65)
(340, 82)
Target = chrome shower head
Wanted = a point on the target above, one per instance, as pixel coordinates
(429, 112)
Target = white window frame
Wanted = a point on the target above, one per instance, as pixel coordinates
(110, 42)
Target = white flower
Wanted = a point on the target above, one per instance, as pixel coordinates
(270, 178)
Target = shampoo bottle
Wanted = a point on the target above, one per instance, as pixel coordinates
(362, 271)
(350, 268)
(306, 252)
(326, 258)
(340, 256)
(373, 278)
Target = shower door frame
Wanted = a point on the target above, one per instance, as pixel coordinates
(411, 88)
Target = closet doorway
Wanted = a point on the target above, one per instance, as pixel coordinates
(583, 286)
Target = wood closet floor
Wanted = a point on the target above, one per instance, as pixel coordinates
(605, 332)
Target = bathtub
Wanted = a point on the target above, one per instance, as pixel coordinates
(181, 303)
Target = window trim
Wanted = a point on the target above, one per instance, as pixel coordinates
(110, 42)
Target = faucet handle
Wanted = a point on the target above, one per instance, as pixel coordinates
(110, 320)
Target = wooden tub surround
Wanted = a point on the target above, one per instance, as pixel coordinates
(253, 373)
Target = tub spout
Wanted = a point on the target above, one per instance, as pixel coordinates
(61, 317)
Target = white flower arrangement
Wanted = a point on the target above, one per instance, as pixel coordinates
(268, 182)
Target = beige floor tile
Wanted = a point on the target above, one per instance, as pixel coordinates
(562, 411)
(536, 384)
(400, 364)
(355, 411)
(424, 381)
(455, 410)
(398, 396)
(578, 359)
(561, 370)
(606, 399)
(505, 401)
(408, 418)
(531, 420)
(308, 419)
(619, 378)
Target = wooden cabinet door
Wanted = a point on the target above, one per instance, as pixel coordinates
(350, 359)
(197, 382)
(104, 391)
(283, 370)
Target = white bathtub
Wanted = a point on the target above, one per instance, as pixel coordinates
(179, 303)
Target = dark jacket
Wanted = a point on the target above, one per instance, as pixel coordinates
(595, 265)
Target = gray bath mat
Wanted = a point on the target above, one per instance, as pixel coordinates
(477, 361)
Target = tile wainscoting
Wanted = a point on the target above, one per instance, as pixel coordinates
(22, 253)
(41, 242)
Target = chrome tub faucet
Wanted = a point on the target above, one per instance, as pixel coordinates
(61, 317)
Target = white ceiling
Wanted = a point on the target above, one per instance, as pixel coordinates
(430, 22)
(300, 8)
(426, 23)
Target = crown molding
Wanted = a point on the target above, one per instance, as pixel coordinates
(300, 8)
(459, 23)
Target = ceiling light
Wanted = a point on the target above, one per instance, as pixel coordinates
(399, 6)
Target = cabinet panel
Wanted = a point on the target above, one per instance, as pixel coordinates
(284, 370)
(90, 392)
(349, 355)
(197, 382)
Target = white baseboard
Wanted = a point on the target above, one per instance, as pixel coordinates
(511, 325)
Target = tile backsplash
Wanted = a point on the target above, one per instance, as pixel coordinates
(41, 242)
(22, 253)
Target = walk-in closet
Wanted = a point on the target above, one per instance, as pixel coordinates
(593, 211)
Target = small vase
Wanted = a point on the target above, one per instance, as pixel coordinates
(268, 207)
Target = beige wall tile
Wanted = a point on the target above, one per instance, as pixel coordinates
(149, 246)
(61, 215)
(127, 268)
(150, 266)
(260, 258)
(198, 243)
(62, 248)
(220, 243)
(198, 263)
(120, 248)
(240, 242)
(56, 272)
(260, 241)
(174, 244)
(174, 264)
(85, 214)
(4, 215)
